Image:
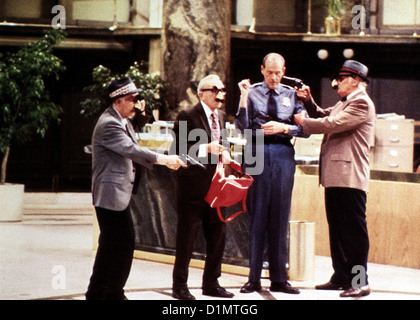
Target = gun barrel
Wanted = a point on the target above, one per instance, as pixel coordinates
(293, 82)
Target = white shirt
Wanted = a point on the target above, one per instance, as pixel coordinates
(208, 112)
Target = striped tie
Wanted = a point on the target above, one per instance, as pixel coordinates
(215, 135)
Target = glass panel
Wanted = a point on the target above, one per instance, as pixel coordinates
(401, 13)
(101, 10)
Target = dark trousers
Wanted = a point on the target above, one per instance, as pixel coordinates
(114, 256)
(192, 215)
(269, 201)
(349, 240)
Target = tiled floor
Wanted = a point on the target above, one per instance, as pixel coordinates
(50, 256)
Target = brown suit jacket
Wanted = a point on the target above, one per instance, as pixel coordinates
(349, 128)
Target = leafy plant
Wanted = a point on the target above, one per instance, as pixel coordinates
(154, 88)
(335, 8)
(25, 106)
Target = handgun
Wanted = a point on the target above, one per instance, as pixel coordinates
(293, 82)
(191, 161)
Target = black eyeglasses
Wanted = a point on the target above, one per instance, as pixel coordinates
(137, 98)
(215, 90)
(341, 77)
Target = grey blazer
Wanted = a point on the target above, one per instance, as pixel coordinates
(349, 128)
(113, 152)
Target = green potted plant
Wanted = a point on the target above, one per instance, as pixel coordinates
(335, 13)
(25, 107)
(154, 89)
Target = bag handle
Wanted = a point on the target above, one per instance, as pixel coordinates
(233, 216)
(233, 164)
(237, 167)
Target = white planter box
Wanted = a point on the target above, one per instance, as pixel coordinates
(11, 202)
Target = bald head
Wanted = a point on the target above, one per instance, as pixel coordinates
(273, 58)
(273, 69)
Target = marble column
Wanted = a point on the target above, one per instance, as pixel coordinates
(196, 42)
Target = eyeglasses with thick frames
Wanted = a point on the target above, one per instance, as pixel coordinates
(136, 99)
(341, 77)
(215, 90)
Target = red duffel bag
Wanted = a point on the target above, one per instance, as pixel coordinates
(229, 186)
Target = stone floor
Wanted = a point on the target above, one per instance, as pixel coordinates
(49, 256)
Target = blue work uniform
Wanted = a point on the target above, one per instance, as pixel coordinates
(269, 197)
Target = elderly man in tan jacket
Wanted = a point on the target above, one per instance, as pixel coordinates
(344, 172)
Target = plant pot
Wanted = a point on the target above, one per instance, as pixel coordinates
(332, 25)
(11, 202)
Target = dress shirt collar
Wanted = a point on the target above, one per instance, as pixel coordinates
(267, 88)
(208, 111)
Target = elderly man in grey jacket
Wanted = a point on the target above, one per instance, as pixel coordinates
(114, 149)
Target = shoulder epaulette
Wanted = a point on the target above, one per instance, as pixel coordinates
(285, 86)
(257, 84)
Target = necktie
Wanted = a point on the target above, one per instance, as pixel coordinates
(272, 106)
(215, 135)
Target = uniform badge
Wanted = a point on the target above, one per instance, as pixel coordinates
(286, 102)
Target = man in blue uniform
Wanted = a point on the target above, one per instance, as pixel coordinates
(267, 108)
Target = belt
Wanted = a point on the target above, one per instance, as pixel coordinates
(277, 140)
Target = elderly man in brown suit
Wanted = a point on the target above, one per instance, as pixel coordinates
(344, 172)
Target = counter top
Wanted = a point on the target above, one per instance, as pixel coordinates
(374, 174)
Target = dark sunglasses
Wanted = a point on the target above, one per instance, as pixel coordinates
(137, 98)
(215, 90)
(341, 77)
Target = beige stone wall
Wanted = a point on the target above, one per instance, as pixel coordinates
(393, 216)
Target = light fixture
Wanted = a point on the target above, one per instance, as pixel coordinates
(415, 19)
(115, 23)
(348, 53)
(323, 54)
(363, 20)
(309, 17)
